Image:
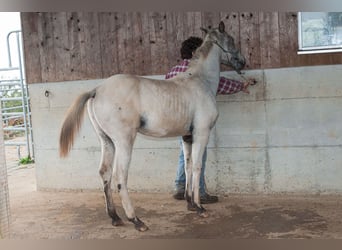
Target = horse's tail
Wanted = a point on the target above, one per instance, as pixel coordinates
(72, 122)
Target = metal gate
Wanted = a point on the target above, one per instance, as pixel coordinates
(15, 102)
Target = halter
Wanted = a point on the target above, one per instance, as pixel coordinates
(224, 50)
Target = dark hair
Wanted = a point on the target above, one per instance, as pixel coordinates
(189, 46)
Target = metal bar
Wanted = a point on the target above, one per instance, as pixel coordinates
(10, 80)
(7, 143)
(9, 47)
(12, 89)
(9, 51)
(8, 99)
(11, 117)
(15, 87)
(11, 99)
(9, 108)
(7, 82)
(16, 114)
(23, 96)
(14, 129)
(8, 69)
(313, 51)
(28, 99)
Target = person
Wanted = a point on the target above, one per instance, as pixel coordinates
(226, 86)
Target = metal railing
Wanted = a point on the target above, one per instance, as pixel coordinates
(16, 107)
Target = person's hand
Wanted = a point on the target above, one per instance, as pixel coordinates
(245, 87)
(247, 83)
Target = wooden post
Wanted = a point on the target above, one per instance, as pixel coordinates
(4, 198)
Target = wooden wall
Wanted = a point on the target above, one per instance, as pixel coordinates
(65, 46)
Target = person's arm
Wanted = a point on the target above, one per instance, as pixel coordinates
(230, 86)
(173, 72)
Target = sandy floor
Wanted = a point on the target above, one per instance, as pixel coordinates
(81, 215)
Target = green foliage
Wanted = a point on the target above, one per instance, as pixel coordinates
(15, 104)
(26, 160)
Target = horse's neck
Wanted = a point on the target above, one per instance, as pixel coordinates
(208, 69)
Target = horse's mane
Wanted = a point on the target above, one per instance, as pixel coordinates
(202, 51)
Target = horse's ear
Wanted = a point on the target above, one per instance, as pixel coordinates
(221, 27)
(204, 30)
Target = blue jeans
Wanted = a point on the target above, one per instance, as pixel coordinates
(180, 177)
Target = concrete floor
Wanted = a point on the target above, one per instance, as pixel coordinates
(81, 215)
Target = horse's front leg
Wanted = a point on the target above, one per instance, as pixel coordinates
(198, 147)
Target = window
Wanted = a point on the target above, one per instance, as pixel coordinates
(319, 32)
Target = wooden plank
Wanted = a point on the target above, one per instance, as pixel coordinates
(75, 71)
(121, 36)
(173, 45)
(70, 46)
(288, 37)
(146, 68)
(210, 19)
(88, 35)
(137, 43)
(31, 43)
(269, 38)
(250, 39)
(324, 58)
(158, 45)
(176, 34)
(47, 49)
(194, 24)
(109, 43)
(232, 24)
(61, 42)
(129, 44)
(336, 58)
(182, 32)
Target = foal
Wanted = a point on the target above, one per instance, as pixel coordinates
(124, 105)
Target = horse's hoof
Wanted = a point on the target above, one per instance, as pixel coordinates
(117, 222)
(191, 207)
(203, 214)
(141, 228)
(138, 224)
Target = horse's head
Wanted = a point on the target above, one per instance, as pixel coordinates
(231, 56)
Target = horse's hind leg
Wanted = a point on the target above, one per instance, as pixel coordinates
(106, 171)
(106, 166)
(121, 165)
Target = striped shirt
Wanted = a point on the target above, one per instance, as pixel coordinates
(226, 86)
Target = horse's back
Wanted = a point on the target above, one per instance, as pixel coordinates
(160, 108)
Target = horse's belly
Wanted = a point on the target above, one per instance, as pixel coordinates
(163, 132)
(167, 129)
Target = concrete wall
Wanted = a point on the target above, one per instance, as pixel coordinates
(4, 192)
(285, 136)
